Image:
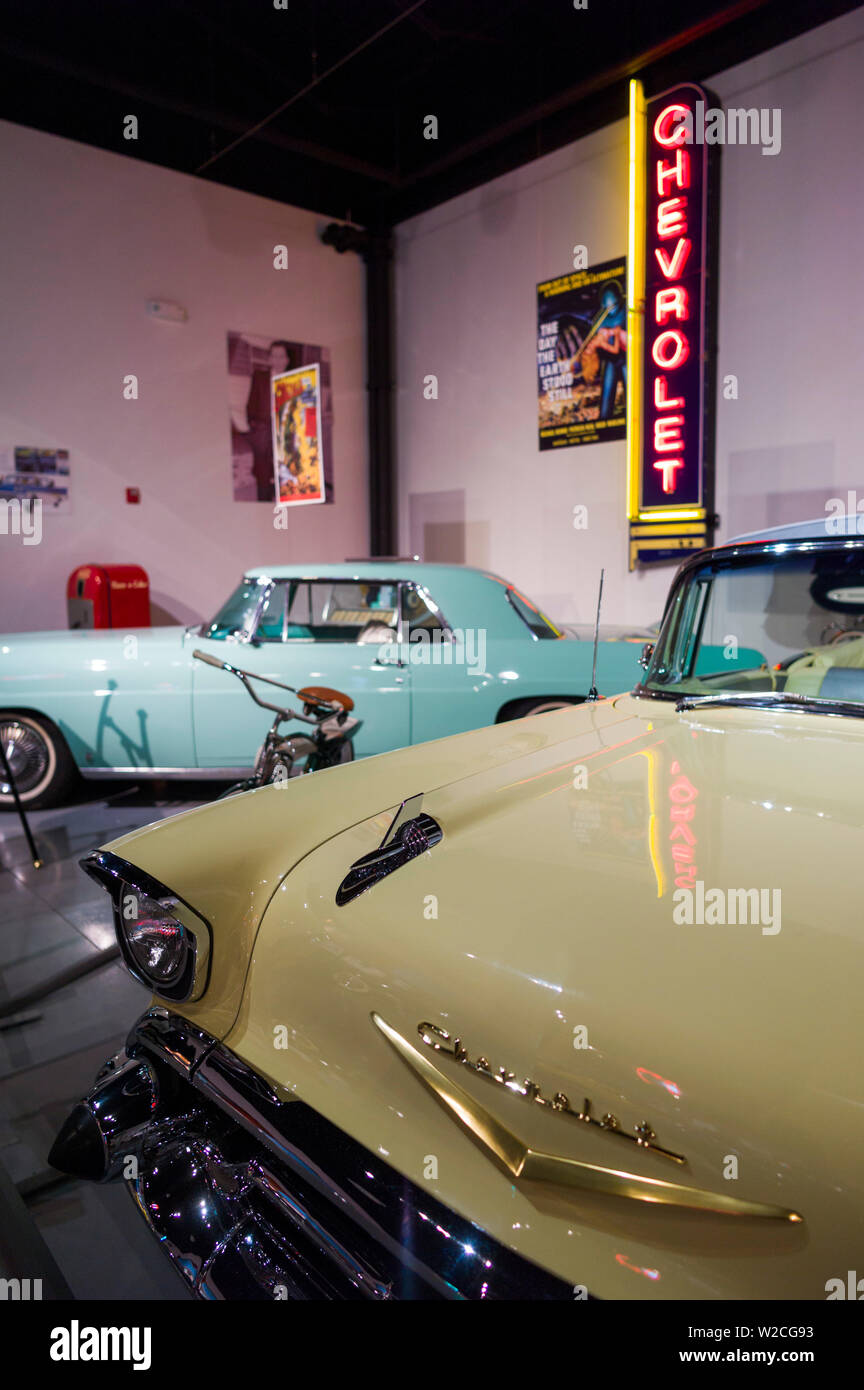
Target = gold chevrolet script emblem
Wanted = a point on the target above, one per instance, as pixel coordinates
(532, 1165)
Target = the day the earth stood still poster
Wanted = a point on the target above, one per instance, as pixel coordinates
(582, 356)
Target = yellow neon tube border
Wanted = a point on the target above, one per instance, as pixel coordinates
(688, 514)
(636, 236)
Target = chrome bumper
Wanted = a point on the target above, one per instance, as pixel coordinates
(254, 1197)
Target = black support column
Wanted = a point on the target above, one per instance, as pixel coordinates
(376, 248)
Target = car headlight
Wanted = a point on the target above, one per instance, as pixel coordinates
(165, 943)
(157, 941)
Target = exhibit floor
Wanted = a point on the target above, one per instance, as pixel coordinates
(50, 919)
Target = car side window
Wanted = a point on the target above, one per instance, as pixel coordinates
(338, 610)
(419, 612)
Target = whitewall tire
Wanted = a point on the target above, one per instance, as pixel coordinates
(41, 763)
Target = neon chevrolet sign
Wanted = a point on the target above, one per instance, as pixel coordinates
(670, 424)
(674, 309)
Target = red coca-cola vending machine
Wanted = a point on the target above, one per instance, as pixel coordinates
(108, 596)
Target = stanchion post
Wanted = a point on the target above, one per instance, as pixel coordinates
(7, 772)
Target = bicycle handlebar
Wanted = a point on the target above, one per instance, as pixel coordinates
(211, 660)
(245, 676)
(238, 671)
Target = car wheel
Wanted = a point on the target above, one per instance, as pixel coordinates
(521, 708)
(41, 763)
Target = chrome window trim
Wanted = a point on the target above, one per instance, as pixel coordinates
(772, 699)
(813, 544)
(270, 641)
(531, 633)
(509, 589)
(246, 635)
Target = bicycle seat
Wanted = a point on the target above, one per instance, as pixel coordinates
(314, 695)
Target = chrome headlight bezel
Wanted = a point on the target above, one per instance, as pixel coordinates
(120, 878)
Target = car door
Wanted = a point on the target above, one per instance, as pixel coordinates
(348, 631)
(302, 632)
(452, 689)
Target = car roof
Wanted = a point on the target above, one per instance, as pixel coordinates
(418, 570)
(465, 596)
(823, 526)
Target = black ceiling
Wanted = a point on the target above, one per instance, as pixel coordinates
(322, 103)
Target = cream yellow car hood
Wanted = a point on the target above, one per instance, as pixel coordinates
(544, 920)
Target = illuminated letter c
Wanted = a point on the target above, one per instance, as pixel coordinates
(678, 133)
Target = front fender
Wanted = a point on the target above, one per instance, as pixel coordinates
(120, 699)
(228, 859)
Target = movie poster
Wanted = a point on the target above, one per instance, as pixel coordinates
(38, 474)
(297, 437)
(252, 363)
(582, 356)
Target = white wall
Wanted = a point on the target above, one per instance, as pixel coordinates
(467, 311)
(87, 237)
(791, 309)
(792, 285)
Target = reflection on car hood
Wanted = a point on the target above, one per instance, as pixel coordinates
(547, 909)
(540, 931)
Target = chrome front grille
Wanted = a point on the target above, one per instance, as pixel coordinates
(254, 1197)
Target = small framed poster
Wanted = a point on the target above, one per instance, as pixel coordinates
(295, 401)
(582, 356)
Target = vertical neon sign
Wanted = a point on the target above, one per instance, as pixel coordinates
(672, 226)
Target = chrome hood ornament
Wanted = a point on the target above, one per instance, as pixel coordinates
(412, 832)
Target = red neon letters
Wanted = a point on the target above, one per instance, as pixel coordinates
(666, 132)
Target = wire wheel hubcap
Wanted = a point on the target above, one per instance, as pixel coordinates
(27, 754)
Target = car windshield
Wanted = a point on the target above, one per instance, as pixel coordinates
(237, 615)
(786, 622)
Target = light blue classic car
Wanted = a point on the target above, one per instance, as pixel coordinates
(424, 650)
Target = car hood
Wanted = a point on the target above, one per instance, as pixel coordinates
(229, 859)
(541, 932)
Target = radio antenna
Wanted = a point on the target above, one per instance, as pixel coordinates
(592, 693)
